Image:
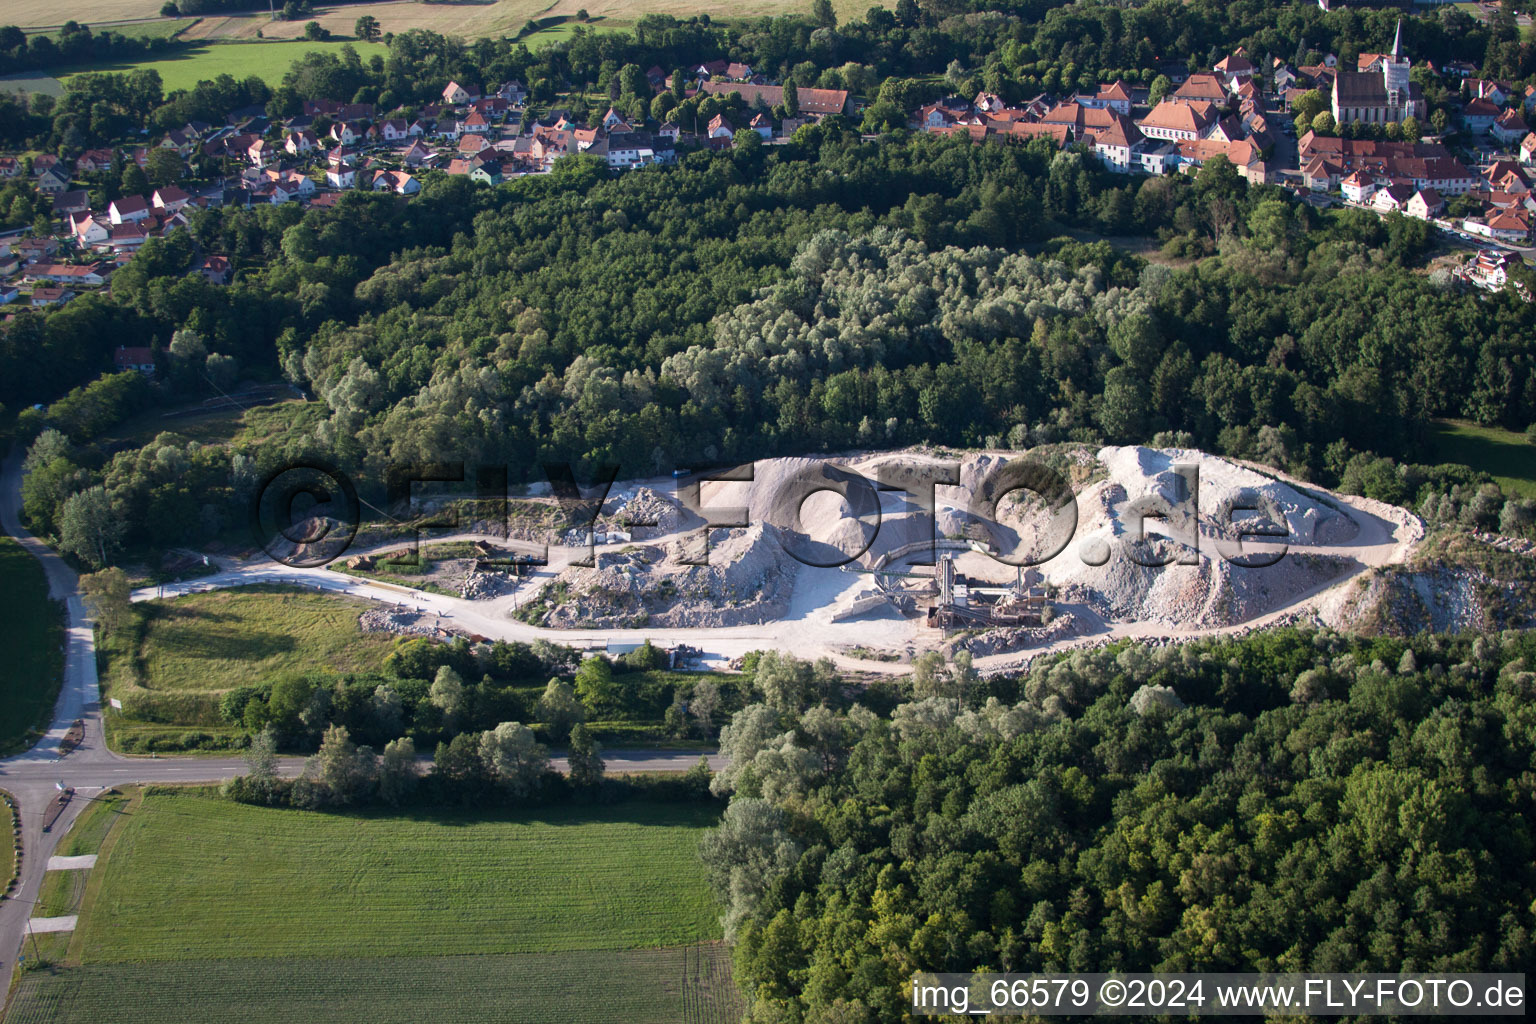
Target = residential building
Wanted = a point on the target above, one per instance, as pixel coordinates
(132, 357)
(68, 273)
(1358, 187)
(1392, 198)
(1479, 115)
(1178, 121)
(1426, 204)
(50, 296)
(128, 209)
(1115, 96)
(1236, 70)
(1201, 88)
(170, 199)
(52, 181)
(216, 270)
(1509, 127)
(74, 201)
(456, 95)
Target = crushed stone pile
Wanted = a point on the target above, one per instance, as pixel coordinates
(407, 622)
(748, 580)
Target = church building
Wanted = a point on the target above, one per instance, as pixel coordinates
(1380, 94)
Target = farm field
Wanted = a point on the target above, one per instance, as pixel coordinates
(689, 985)
(466, 18)
(1502, 454)
(267, 60)
(34, 664)
(159, 28)
(239, 913)
(192, 875)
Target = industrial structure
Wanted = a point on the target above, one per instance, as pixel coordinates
(946, 597)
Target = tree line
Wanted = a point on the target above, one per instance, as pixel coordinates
(1296, 800)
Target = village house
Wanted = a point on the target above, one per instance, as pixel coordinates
(340, 174)
(51, 181)
(128, 236)
(1115, 96)
(50, 296)
(74, 201)
(417, 155)
(90, 231)
(128, 209)
(129, 357)
(1512, 226)
(260, 153)
(36, 249)
(1489, 269)
(1426, 204)
(1236, 70)
(301, 143)
(94, 161)
(487, 173)
(720, 129)
(1479, 115)
(398, 182)
(1497, 93)
(1358, 187)
(1528, 148)
(68, 273)
(1392, 198)
(1509, 127)
(216, 270)
(456, 95)
(170, 199)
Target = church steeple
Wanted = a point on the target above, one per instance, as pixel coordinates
(1397, 40)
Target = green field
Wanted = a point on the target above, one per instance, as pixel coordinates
(652, 986)
(171, 660)
(34, 658)
(1502, 454)
(203, 909)
(267, 60)
(196, 876)
(226, 638)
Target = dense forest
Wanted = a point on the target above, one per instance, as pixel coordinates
(819, 295)
(1293, 801)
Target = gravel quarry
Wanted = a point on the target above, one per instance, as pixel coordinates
(836, 556)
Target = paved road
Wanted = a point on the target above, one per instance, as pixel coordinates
(33, 777)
